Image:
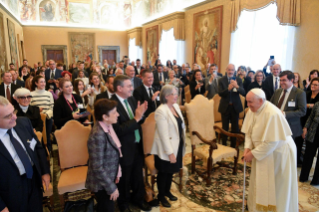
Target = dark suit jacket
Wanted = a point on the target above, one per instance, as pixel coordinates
(136, 72)
(268, 86)
(137, 82)
(11, 182)
(20, 83)
(194, 92)
(13, 89)
(124, 129)
(33, 113)
(62, 112)
(141, 94)
(224, 93)
(102, 95)
(58, 74)
(293, 114)
(157, 80)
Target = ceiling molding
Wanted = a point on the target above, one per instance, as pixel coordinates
(8, 13)
(136, 29)
(198, 4)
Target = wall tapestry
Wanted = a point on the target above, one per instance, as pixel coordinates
(3, 52)
(13, 44)
(152, 44)
(207, 37)
(82, 46)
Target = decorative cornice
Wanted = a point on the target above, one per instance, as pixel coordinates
(136, 29)
(170, 17)
(199, 4)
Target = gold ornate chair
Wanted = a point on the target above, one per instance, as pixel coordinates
(202, 129)
(73, 153)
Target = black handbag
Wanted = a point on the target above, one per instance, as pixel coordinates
(79, 206)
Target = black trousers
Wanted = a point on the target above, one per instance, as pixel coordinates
(32, 193)
(103, 202)
(299, 142)
(132, 179)
(310, 153)
(164, 182)
(230, 116)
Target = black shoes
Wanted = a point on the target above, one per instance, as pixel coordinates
(171, 196)
(144, 206)
(164, 202)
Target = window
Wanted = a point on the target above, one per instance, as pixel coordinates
(135, 52)
(259, 35)
(170, 49)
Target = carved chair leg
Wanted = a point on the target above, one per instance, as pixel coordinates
(193, 159)
(153, 181)
(51, 203)
(61, 196)
(235, 165)
(209, 167)
(180, 180)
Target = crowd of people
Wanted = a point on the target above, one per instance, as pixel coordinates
(122, 96)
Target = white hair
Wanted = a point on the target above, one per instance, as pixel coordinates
(21, 92)
(4, 101)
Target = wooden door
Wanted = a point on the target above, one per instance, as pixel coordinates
(56, 55)
(109, 55)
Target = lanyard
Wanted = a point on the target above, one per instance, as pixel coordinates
(69, 102)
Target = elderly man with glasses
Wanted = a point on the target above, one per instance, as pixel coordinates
(23, 97)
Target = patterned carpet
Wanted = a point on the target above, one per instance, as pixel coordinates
(224, 194)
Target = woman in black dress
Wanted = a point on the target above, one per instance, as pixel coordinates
(197, 84)
(259, 78)
(169, 142)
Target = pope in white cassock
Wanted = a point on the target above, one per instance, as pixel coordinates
(269, 146)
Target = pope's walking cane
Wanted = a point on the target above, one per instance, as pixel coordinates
(243, 209)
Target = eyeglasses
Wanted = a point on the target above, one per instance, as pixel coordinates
(24, 97)
(315, 85)
(8, 117)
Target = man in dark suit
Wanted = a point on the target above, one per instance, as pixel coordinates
(80, 67)
(129, 133)
(24, 167)
(25, 63)
(272, 83)
(229, 88)
(293, 103)
(109, 91)
(138, 67)
(15, 80)
(159, 77)
(52, 74)
(146, 93)
(7, 88)
(130, 72)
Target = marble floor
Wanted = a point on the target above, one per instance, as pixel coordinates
(308, 195)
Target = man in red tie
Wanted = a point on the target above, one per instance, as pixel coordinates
(7, 88)
(292, 102)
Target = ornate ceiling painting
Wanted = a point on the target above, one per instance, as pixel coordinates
(113, 14)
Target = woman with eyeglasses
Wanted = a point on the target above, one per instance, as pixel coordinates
(23, 97)
(44, 100)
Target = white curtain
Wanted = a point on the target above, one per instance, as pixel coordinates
(135, 52)
(170, 49)
(259, 35)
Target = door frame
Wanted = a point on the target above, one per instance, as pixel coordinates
(64, 48)
(116, 48)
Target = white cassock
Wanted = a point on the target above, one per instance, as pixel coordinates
(273, 181)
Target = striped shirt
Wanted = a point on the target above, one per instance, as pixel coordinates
(43, 99)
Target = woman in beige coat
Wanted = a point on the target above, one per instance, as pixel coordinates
(169, 142)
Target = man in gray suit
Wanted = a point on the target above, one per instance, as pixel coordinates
(130, 72)
(292, 102)
(212, 81)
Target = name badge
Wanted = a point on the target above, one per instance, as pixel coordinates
(157, 98)
(80, 106)
(292, 104)
(183, 125)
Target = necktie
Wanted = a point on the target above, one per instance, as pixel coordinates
(52, 74)
(150, 92)
(22, 155)
(281, 99)
(276, 83)
(8, 94)
(161, 79)
(136, 132)
(230, 99)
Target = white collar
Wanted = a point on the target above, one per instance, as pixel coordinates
(3, 132)
(146, 87)
(120, 98)
(24, 108)
(289, 89)
(5, 85)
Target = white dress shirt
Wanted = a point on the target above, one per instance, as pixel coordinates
(148, 91)
(5, 139)
(274, 81)
(124, 105)
(285, 99)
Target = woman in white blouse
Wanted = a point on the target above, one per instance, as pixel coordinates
(96, 88)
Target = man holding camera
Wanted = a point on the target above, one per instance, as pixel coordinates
(229, 88)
